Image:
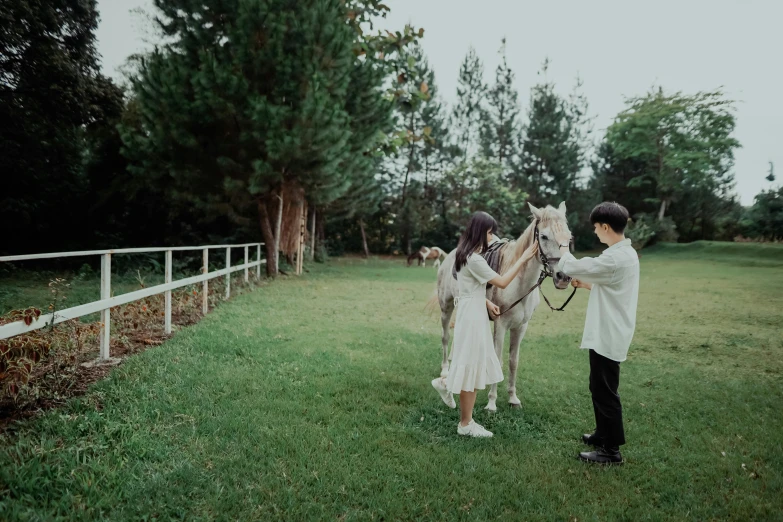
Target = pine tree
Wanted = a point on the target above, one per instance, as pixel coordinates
(434, 150)
(552, 148)
(500, 123)
(371, 122)
(471, 91)
(241, 115)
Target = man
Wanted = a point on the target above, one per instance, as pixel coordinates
(613, 281)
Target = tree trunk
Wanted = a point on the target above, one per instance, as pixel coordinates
(269, 238)
(703, 221)
(364, 240)
(312, 236)
(302, 232)
(407, 174)
(321, 235)
(426, 174)
(662, 210)
(278, 225)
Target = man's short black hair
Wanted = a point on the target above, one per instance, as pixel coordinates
(610, 213)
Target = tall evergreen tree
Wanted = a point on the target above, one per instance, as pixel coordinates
(235, 113)
(553, 152)
(371, 123)
(471, 92)
(437, 150)
(500, 124)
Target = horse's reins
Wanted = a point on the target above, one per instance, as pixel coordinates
(546, 271)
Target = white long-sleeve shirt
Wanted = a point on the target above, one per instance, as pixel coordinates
(611, 310)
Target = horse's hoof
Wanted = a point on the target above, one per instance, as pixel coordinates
(491, 408)
(515, 406)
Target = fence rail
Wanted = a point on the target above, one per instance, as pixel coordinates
(106, 302)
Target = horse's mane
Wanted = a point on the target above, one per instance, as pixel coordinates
(513, 250)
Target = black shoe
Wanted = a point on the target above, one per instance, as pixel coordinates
(602, 456)
(591, 439)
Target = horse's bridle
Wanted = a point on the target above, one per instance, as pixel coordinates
(546, 271)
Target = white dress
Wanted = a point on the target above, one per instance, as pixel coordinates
(474, 364)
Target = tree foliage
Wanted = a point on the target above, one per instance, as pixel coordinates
(682, 143)
(51, 97)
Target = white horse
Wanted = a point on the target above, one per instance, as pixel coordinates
(518, 317)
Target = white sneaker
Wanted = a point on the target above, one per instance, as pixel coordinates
(473, 430)
(447, 397)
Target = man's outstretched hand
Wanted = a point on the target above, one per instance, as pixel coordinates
(576, 283)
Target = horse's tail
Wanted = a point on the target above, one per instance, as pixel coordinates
(432, 304)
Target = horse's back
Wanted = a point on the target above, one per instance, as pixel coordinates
(446, 283)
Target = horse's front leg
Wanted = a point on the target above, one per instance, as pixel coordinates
(498, 337)
(513, 360)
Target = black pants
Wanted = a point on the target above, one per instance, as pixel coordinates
(604, 380)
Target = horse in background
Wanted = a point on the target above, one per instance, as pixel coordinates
(436, 253)
(425, 253)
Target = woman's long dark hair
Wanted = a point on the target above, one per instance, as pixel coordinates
(475, 236)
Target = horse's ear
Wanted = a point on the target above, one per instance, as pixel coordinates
(562, 208)
(536, 212)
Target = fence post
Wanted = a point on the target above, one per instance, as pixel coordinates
(246, 260)
(105, 314)
(167, 320)
(228, 273)
(205, 284)
(258, 258)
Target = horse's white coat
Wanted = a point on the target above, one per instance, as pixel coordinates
(517, 319)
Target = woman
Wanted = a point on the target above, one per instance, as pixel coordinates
(474, 364)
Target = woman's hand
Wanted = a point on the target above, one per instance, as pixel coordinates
(576, 283)
(502, 281)
(493, 308)
(531, 252)
(561, 234)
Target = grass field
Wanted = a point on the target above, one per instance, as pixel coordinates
(309, 399)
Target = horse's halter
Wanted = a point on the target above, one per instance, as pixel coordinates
(546, 271)
(542, 256)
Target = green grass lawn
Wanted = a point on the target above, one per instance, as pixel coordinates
(309, 399)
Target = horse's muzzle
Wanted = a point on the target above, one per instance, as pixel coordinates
(560, 280)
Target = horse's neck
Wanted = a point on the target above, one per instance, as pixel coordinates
(529, 274)
(513, 250)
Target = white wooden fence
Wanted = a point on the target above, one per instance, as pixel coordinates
(107, 302)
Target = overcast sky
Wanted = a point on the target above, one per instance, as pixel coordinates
(618, 48)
